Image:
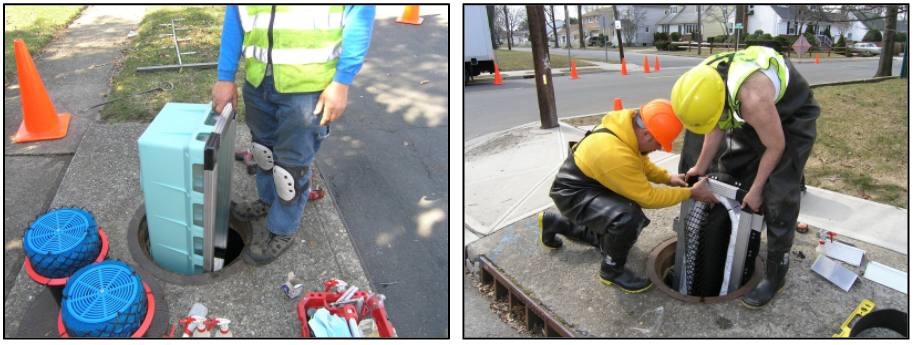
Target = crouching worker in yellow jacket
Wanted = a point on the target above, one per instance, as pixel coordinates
(604, 184)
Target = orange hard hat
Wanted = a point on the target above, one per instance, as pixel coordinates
(659, 118)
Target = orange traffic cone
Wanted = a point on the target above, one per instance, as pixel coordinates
(817, 59)
(499, 80)
(656, 64)
(617, 104)
(411, 16)
(645, 64)
(39, 119)
(574, 74)
(623, 64)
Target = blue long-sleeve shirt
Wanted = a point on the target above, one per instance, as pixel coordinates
(357, 31)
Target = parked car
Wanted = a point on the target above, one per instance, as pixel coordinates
(865, 49)
(593, 41)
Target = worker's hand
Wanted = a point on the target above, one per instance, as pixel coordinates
(224, 92)
(679, 180)
(699, 192)
(332, 102)
(753, 199)
(693, 172)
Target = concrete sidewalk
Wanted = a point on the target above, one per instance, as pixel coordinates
(97, 167)
(507, 178)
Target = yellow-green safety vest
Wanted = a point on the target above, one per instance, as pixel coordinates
(745, 62)
(301, 42)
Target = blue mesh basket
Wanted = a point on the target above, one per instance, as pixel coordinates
(62, 241)
(105, 299)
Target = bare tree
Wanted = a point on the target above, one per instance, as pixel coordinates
(508, 18)
(722, 15)
(581, 33)
(886, 63)
(632, 18)
(553, 24)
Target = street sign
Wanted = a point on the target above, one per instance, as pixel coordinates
(604, 21)
(739, 26)
(801, 45)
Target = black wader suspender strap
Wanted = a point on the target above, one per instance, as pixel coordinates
(574, 144)
(722, 67)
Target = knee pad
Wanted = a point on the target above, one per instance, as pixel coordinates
(263, 155)
(285, 180)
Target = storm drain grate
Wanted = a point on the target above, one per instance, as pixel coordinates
(535, 315)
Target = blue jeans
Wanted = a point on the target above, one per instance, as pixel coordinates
(286, 123)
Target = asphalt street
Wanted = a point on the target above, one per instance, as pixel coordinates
(595, 93)
(386, 164)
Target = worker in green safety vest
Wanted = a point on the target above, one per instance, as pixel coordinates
(299, 64)
(758, 115)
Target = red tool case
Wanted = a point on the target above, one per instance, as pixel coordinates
(322, 299)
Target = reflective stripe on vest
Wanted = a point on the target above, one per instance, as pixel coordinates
(304, 45)
(746, 62)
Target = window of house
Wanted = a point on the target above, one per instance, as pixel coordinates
(673, 9)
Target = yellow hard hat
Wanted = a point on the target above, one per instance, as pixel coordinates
(660, 121)
(698, 99)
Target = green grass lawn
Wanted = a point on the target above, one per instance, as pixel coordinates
(861, 146)
(36, 26)
(192, 85)
(519, 61)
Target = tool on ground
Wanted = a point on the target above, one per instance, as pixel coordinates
(196, 310)
(801, 228)
(834, 272)
(887, 276)
(864, 308)
(250, 164)
(178, 51)
(164, 86)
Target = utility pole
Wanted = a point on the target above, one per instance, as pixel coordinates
(542, 76)
(619, 42)
(699, 27)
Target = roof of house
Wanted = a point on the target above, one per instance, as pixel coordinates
(682, 17)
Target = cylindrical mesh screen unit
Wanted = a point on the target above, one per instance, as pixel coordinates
(61, 242)
(707, 233)
(105, 299)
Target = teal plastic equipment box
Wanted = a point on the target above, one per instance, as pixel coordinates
(185, 179)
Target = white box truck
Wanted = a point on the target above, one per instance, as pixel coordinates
(478, 48)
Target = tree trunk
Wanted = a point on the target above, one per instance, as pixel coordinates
(508, 27)
(542, 76)
(553, 21)
(886, 63)
(699, 37)
(581, 33)
(494, 35)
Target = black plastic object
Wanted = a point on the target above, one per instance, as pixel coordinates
(892, 319)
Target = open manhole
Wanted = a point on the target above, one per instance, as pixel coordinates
(238, 238)
(661, 262)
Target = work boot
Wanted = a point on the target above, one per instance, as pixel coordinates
(265, 246)
(613, 268)
(774, 280)
(250, 210)
(552, 224)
